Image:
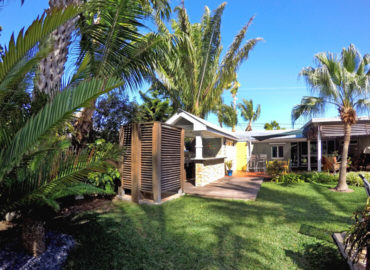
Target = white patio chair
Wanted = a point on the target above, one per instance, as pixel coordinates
(261, 162)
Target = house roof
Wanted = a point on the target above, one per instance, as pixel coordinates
(333, 120)
(257, 135)
(200, 124)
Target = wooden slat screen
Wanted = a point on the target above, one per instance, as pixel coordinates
(160, 158)
(127, 177)
(358, 129)
(146, 156)
(170, 158)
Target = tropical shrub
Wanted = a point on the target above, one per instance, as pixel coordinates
(358, 237)
(289, 178)
(319, 177)
(276, 168)
(353, 178)
(105, 180)
(229, 164)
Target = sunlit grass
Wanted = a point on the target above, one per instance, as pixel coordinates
(287, 227)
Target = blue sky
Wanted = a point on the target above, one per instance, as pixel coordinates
(294, 31)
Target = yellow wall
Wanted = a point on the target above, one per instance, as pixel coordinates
(241, 155)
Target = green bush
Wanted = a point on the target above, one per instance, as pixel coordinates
(289, 178)
(353, 178)
(275, 168)
(107, 179)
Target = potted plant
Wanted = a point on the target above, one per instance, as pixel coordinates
(229, 165)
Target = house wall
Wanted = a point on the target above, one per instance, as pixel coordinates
(230, 153)
(364, 141)
(241, 155)
(265, 148)
(207, 171)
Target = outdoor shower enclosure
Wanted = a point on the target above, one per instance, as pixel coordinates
(153, 160)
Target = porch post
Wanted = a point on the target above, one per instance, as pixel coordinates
(318, 149)
(198, 147)
(308, 155)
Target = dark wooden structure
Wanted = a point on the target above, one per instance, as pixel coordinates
(153, 160)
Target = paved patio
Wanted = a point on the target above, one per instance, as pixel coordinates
(236, 188)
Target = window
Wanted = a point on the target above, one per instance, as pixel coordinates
(277, 151)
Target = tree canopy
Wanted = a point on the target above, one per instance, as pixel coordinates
(193, 73)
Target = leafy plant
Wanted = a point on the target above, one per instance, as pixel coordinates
(358, 237)
(276, 168)
(289, 178)
(156, 107)
(353, 178)
(105, 180)
(229, 164)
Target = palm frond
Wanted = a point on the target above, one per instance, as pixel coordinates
(309, 107)
(58, 110)
(40, 29)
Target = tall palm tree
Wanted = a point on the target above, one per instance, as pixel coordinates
(342, 82)
(193, 74)
(229, 116)
(248, 113)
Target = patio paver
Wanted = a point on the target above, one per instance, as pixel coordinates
(237, 188)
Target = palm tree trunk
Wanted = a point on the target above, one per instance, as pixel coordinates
(342, 184)
(234, 101)
(33, 236)
(249, 127)
(83, 126)
(51, 68)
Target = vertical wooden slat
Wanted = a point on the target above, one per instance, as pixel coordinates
(136, 163)
(121, 166)
(156, 157)
(182, 160)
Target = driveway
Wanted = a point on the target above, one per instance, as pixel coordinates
(236, 188)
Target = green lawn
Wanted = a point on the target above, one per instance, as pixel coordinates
(287, 227)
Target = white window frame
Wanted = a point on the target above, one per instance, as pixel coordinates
(277, 151)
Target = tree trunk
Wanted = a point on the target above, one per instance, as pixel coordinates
(233, 128)
(51, 68)
(83, 126)
(342, 183)
(249, 127)
(33, 236)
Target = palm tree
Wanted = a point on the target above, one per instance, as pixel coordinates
(36, 166)
(273, 125)
(340, 81)
(114, 46)
(51, 68)
(234, 92)
(229, 116)
(248, 112)
(193, 74)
